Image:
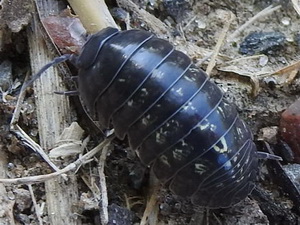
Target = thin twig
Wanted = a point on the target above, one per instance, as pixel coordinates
(221, 39)
(38, 178)
(92, 185)
(189, 23)
(291, 76)
(35, 205)
(296, 6)
(33, 145)
(16, 114)
(151, 211)
(137, 200)
(103, 189)
(289, 68)
(270, 9)
(155, 25)
(71, 167)
(10, 212)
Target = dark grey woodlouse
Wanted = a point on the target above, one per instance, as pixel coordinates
(174, 117)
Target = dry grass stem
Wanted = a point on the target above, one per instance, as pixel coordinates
(16, 114)
(103, 189)
(267, 11)
(38, 178)
(150, 215)
(154, 24)
(33, 145)
(35, 205)
(93, 14)
(221, 39)
(296, 6)
(289, 68)
(292, 76)
(71, 167)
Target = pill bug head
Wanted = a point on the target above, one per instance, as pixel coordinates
(98, 65)
(86, 61)
(92, 48)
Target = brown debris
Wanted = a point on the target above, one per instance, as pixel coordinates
(16, 14)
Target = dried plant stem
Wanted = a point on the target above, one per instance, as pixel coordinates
(103, 189)
(150, 215)
(221, 39)
(296, 6)
(93, 14)
(32, 144)
(270, 9)
(71, 167)
(35, 205)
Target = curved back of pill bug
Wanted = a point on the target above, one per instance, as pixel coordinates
(174, 117)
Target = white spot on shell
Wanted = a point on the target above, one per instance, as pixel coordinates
(188, 79)
(221, 111)
(164, 160)
(213, 127)
(235, 159)
(239, 180)
(224, 144)
(183, 143)
(200, 168)
(145, 92)
(204, 125)
(179, 91)
(158, 74)
(177, 154)
(160, 139)
(145, 120)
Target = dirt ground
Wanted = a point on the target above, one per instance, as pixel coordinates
(255, 82)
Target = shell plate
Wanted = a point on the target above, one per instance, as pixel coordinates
(174, 117)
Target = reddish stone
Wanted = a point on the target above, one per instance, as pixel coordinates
(290, 128)
(66, 32)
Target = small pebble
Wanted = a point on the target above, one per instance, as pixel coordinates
(286, 21)
(262, 42)
(269, 134)
(23, 199)
(263, 60)
(120, 216)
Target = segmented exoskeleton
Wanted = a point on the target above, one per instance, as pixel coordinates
(174, 117)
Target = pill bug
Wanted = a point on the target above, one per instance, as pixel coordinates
(173, 116)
